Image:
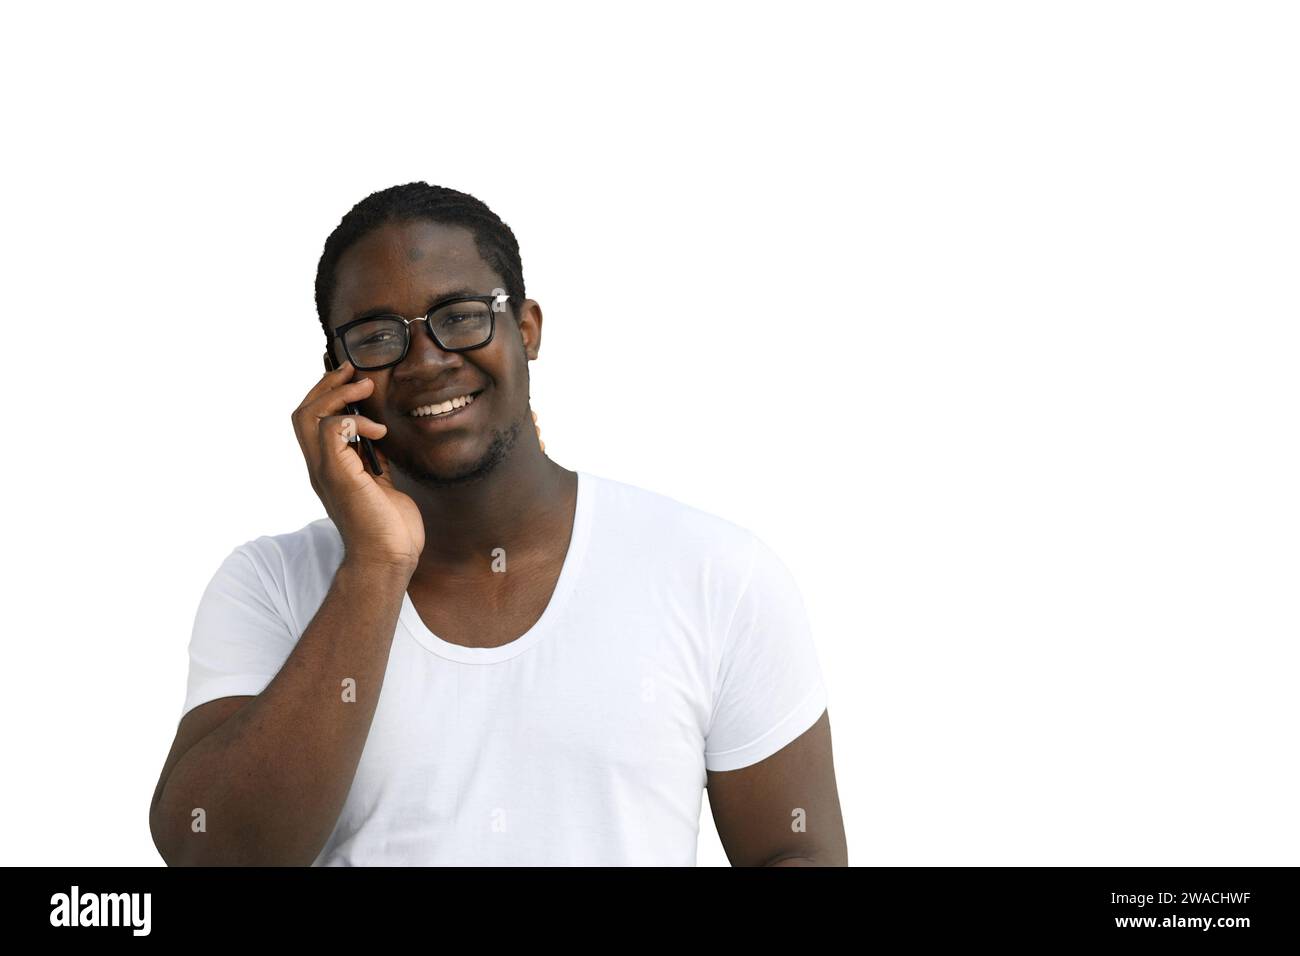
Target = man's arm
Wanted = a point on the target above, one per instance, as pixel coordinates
(785, 810)
(271, 772)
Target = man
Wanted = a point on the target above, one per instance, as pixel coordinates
(481, 657)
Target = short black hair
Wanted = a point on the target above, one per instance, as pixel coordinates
(412, 202)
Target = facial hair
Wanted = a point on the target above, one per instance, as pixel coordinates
(503, 442)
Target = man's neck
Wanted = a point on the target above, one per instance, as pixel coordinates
(516, 506)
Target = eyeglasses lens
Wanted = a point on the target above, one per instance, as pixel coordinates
(380, 341)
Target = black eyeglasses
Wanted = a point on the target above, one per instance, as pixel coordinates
(457, 324)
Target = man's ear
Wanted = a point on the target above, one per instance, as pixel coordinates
(334, 354)
(530, 328)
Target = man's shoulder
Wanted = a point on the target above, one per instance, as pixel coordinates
(316, 544)
(654, 519)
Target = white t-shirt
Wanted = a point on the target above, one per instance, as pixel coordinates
(674, 642)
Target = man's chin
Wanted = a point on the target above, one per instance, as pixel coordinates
(436, 474)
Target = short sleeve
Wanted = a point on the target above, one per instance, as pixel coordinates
(240, 640)
(769, 686)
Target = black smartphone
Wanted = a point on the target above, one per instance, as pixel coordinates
(367, 450)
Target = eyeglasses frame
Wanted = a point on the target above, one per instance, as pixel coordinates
(490, 300)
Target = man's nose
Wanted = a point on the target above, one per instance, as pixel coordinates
(423, 350)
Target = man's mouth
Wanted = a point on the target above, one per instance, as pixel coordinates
(447, 408)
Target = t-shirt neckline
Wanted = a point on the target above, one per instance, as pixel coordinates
(564, 584)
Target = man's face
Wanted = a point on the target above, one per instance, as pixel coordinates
(403, 269)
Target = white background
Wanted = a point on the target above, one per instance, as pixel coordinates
(982, 315)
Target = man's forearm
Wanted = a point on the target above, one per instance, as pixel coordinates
(272, 779)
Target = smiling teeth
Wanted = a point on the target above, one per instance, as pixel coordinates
(444, 408)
